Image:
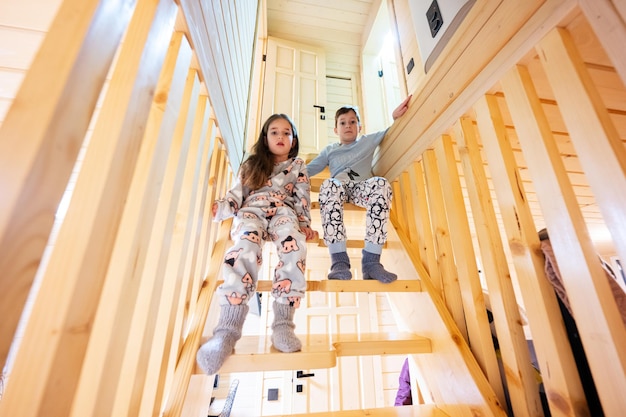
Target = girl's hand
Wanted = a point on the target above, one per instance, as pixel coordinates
(214, 209)
(309, 233)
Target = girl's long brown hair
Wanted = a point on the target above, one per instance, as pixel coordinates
(258, 167)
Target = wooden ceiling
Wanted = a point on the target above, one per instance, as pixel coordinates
(336, 26)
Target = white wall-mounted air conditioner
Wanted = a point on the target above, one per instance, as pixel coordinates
(435, 21)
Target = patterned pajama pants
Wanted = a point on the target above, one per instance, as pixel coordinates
(374, 194)
(251, 227)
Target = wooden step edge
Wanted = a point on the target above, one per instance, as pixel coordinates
(364, 285)
(317, 179)
(350, 244)
(353, 285)
(315, 205)
(256, 353)
(368, 344)
(417, 410)
(279, 361)
(308, 157)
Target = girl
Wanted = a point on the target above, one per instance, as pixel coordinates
(269, 201)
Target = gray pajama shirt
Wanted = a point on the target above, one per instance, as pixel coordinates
(352, 181)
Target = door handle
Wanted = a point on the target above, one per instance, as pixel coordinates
(322, 108)
(301, 374)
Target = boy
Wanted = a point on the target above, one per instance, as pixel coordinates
(350, 164)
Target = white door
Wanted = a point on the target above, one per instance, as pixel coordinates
(295, 84)
(352, 384)
(340, 91)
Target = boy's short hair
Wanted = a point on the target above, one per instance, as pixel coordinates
(346, 109)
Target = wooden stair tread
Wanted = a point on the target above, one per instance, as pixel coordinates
(350, 244)
(317, 241)
(315, 205)
(317, 180)
(386, 343)
(256, 353)
(353, 285)
(417, 410)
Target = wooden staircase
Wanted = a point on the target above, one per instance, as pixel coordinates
(255, 353)
(126, 278)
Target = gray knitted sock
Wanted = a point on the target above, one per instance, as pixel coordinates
(283, 336)
(372, 268)
(340, 267)
(212, 355)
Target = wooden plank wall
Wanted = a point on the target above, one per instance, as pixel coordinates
(223, 34)
(509, 133)
(120, 302)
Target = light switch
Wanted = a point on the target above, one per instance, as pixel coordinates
(272, 394)
(435, 21)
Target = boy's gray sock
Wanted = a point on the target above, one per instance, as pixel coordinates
(212, 355)
(372, 268)
(340, 267)
(283, 336)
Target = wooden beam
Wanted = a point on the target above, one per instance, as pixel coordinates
(451, 292)
(476, 319)
(198, 395)
(425, 232)
(398, 207)
(134, 278)
(34, 173)
(381, 344)
(187, 357)
(586, 116)
(521, 380)
(409, 192)
(169, 316)
(63, 320)
(607, 19)
(593, 306)
(544, 317)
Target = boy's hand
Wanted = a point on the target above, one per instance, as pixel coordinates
(214, 209)
(402, 108)
(310, 233)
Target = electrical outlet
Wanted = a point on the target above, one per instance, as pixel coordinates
(435, 20)
(410, 66)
